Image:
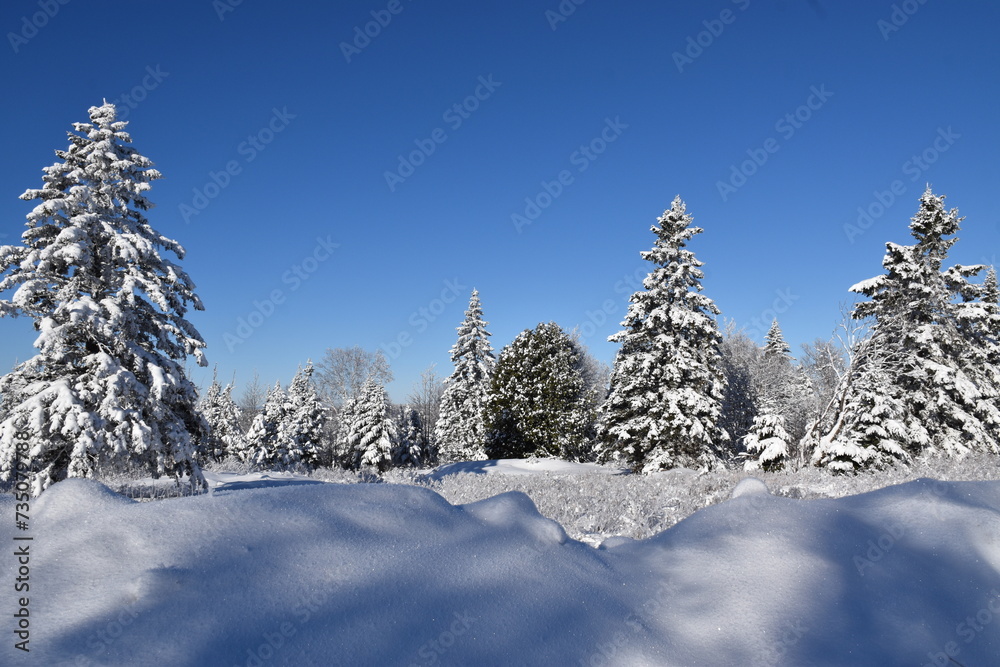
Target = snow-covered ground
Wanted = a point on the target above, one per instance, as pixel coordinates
(275, 569)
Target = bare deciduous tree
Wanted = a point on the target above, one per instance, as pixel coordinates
(425, 398)
(343, 371)
(251, 401)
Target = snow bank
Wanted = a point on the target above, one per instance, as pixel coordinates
(378, 574)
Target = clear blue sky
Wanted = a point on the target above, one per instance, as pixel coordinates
(309, 132)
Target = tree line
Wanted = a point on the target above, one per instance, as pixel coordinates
(913, 373)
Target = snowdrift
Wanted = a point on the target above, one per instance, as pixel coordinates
(379, 574)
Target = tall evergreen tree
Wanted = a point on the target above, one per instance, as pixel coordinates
(344, 454)
(108, 383)
(304, 425)
(226, 437)
(212, 447)
(926, 387)
(267, 447)
(775, 346)
(413, 448)
(231, 429)
(538, 404)
(460, 432)
(667, 383)
(372, 434)
(786, 404)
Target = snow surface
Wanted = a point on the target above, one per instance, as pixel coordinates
(268, 570)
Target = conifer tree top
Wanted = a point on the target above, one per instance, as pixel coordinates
(90, 248)
(931, 224)
(473, 343)
(775, 346)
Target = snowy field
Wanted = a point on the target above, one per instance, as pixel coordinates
(281, 569)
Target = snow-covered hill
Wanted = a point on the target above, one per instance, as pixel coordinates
(279, 571)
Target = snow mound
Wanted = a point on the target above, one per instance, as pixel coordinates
(227, 481)
(751, 486)
(613, 542)
(515, 510)
(77, 495)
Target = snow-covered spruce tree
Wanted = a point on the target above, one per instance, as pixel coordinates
(767, 442)
(412, 449)
(775, 346)
(667, 383)
(266, 446)
(303, 428)
(223, 416)
(344, 455)
(785, 402)
(211, 447)
(371, 433)
(108, 384)
(231, 429)
(460, 434)
(538, 404)
(868, 431)
(979, 323)
(926, 388)
(989, 333)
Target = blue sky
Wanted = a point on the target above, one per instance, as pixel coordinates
(275, 127)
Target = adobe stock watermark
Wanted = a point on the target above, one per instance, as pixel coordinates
(760, 324)
(970, 628)
(431, 652)
(879, 547)
(914, 167)
(786, 127)
(99, 642)
(272, 641)
(364, 34)
(248, 150)
(581, 159)
(31, 25)
(223, 7)
(791, 633)
(294, 277)
(898, 17)
(562, 12)
(696, 44)
(127, 102)
(420, 319)
(605, 654)
(454, 116)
